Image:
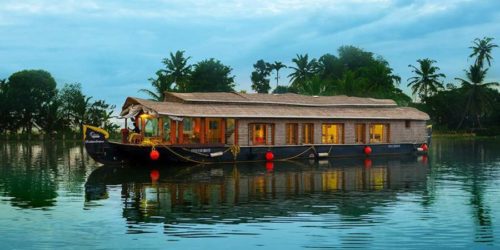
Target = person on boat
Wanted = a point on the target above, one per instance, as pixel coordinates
(136, 129)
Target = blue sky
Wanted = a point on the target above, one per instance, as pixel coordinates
(112, 47)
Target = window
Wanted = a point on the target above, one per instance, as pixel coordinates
(214, 130)
(191, 130)
(260, 135)
(230, 128)
(150, 126)
(407, 124)
(360, 133)
(332, 133)
(292, 132)
(166, 128)
(379, 133)
(308, 133)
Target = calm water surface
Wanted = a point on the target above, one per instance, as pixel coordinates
(52, 195)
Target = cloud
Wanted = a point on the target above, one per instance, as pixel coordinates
(112, 47)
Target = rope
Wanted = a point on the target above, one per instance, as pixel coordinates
(235, 150)
(293, 157)
(185, 158)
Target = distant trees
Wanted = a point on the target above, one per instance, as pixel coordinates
(303, 70)
(4, 106)
(277, 65)
(426, 82)
(480, 96)
(259, 77)
(209, 75)
(354, 72)
(482, 50)
(161, 83)
(30, 99)
(29, 92)
(178, 70)
(473, 102)
(478, 93)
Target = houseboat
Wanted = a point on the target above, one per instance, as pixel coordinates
(241, 127)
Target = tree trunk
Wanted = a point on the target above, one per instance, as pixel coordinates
(465, 112)
(277, 77)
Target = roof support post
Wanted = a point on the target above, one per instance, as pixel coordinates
(223, 130)
(202, 130)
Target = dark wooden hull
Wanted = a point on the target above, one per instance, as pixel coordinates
(112, 152)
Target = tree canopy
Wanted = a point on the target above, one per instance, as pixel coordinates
(29, 99)
(426, 82)
(211, 76)
(260, 76)
(29, 92)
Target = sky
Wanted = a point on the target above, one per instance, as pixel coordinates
(113, 47)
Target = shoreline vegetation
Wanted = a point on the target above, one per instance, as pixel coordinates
(32, 108)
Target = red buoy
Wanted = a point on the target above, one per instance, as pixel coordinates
(269, 166)
(154, 155)
(269, 156)
(368, 163)
(155, 175)
(367, 150)
(425, 147)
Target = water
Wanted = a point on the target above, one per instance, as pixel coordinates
(54, 196)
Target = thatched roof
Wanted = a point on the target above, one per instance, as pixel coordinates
(233, 105)
(275, 99)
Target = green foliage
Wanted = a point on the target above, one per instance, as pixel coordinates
(303, 70)
(211, 76)
(482, 50)
(426, 82)
(259, 77)
(60, 112)
(329, 66)
(471, 106)
(178, 70)
(161, 83)
(477, 93)
(314, 86)
(4, 108)
(178, 76)
(354, 73)
(277, 65)
(281, 90)
(29, 92)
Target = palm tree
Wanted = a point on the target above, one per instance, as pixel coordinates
(479, 99)
(426, 80)
(303, 71)
(161, 84)
(482, 49)
(277, 66)
(178, 69)
(315, 86)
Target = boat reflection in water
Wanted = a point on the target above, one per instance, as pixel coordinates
(253, 192)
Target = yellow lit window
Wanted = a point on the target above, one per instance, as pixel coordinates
(332, 133)
(379, 133)
(259, 134)
(308, 133)
(292, 132)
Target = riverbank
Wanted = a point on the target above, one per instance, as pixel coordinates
(53, 137)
